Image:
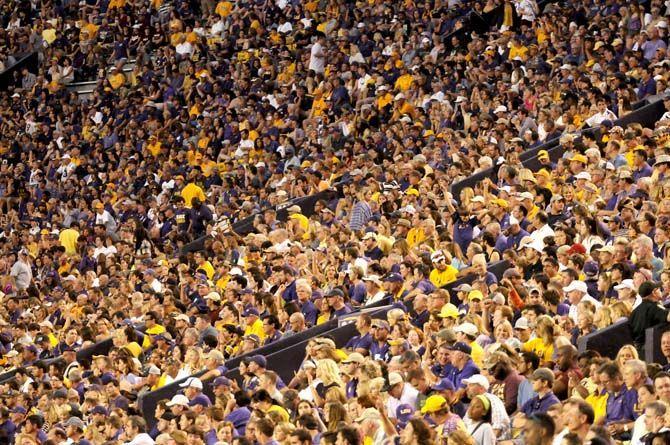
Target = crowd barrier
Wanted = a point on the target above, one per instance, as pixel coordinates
(652, 343)
(645, 112)
(246, 225)
(29, 61)
(497, 269)
(284, 362)
(85, 354)
(607, 341)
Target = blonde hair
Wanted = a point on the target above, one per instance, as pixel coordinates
(328, 371)
(626, 348)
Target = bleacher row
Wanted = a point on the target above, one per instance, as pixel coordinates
(286, 355)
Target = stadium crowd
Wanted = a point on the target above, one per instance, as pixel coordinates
(116, 216)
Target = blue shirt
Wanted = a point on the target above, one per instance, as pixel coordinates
(525, 393)
(310, 312)
(351, 388)
(442, 370)
(239, 418)
(539, 404)
(379, 351)
(290, 293)
(456, 377)
(621, 405)
(359, 342)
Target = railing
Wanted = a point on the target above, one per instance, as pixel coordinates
(29, 61)
(284, 362)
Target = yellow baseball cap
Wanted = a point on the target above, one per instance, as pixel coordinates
(448, 311)
(433, 404)
(475, 295)
(579, 158)
(500, 203)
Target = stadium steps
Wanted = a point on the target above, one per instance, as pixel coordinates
(85, 88)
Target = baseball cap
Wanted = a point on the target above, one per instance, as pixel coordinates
(433, 404)
(543, 374)
(626, 284)
(178, 400)
(475, 295)
(354, 357)
(521, 324)
(449, 311)
(221, 381)
(467, 328)
(576, 285)
(75, 422)
(404, 413)
(478, 379)
(250, 311)
(444, 385)
(369, 414)
(462, 347)
(463, 288)
(647, 288)
(192, 382)
(259, 360)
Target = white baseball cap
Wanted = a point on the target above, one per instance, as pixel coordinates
(577, 285)
(478, 379)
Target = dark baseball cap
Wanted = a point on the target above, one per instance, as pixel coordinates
(462, 347)
(647, 288)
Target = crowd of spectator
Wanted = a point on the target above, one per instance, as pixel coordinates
(118, 209)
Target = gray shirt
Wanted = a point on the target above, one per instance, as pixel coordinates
(22, 274)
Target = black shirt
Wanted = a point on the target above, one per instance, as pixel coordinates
(646, 315)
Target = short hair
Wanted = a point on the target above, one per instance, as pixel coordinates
(302, 435)
(139, 423)
(532, 358)
(350, 435)
(659, 407)
(584, 409)
(265, 426)
(545, 422)
(636, 366)
(610, 369)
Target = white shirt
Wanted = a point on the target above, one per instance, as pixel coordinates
(317, 59)
(540, 234)
(184, 48)
(598, 118)
(572, 312)
(141, 439)
(639, 430)
(408, 396)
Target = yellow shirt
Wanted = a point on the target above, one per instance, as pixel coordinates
(477, 354)
(49, 35)
(384, 100)
(448, 275)
(404, 82)
(224, 8)
(518, 51)
(68, 239)
(116, 4)
(192, 191)
(117, 80)
(415, 236)
(255, 328)
(154, 148)
(208, 268)
(599, 404)
(537, 345)
(134, 348)
(303, 221)
(281, 411)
